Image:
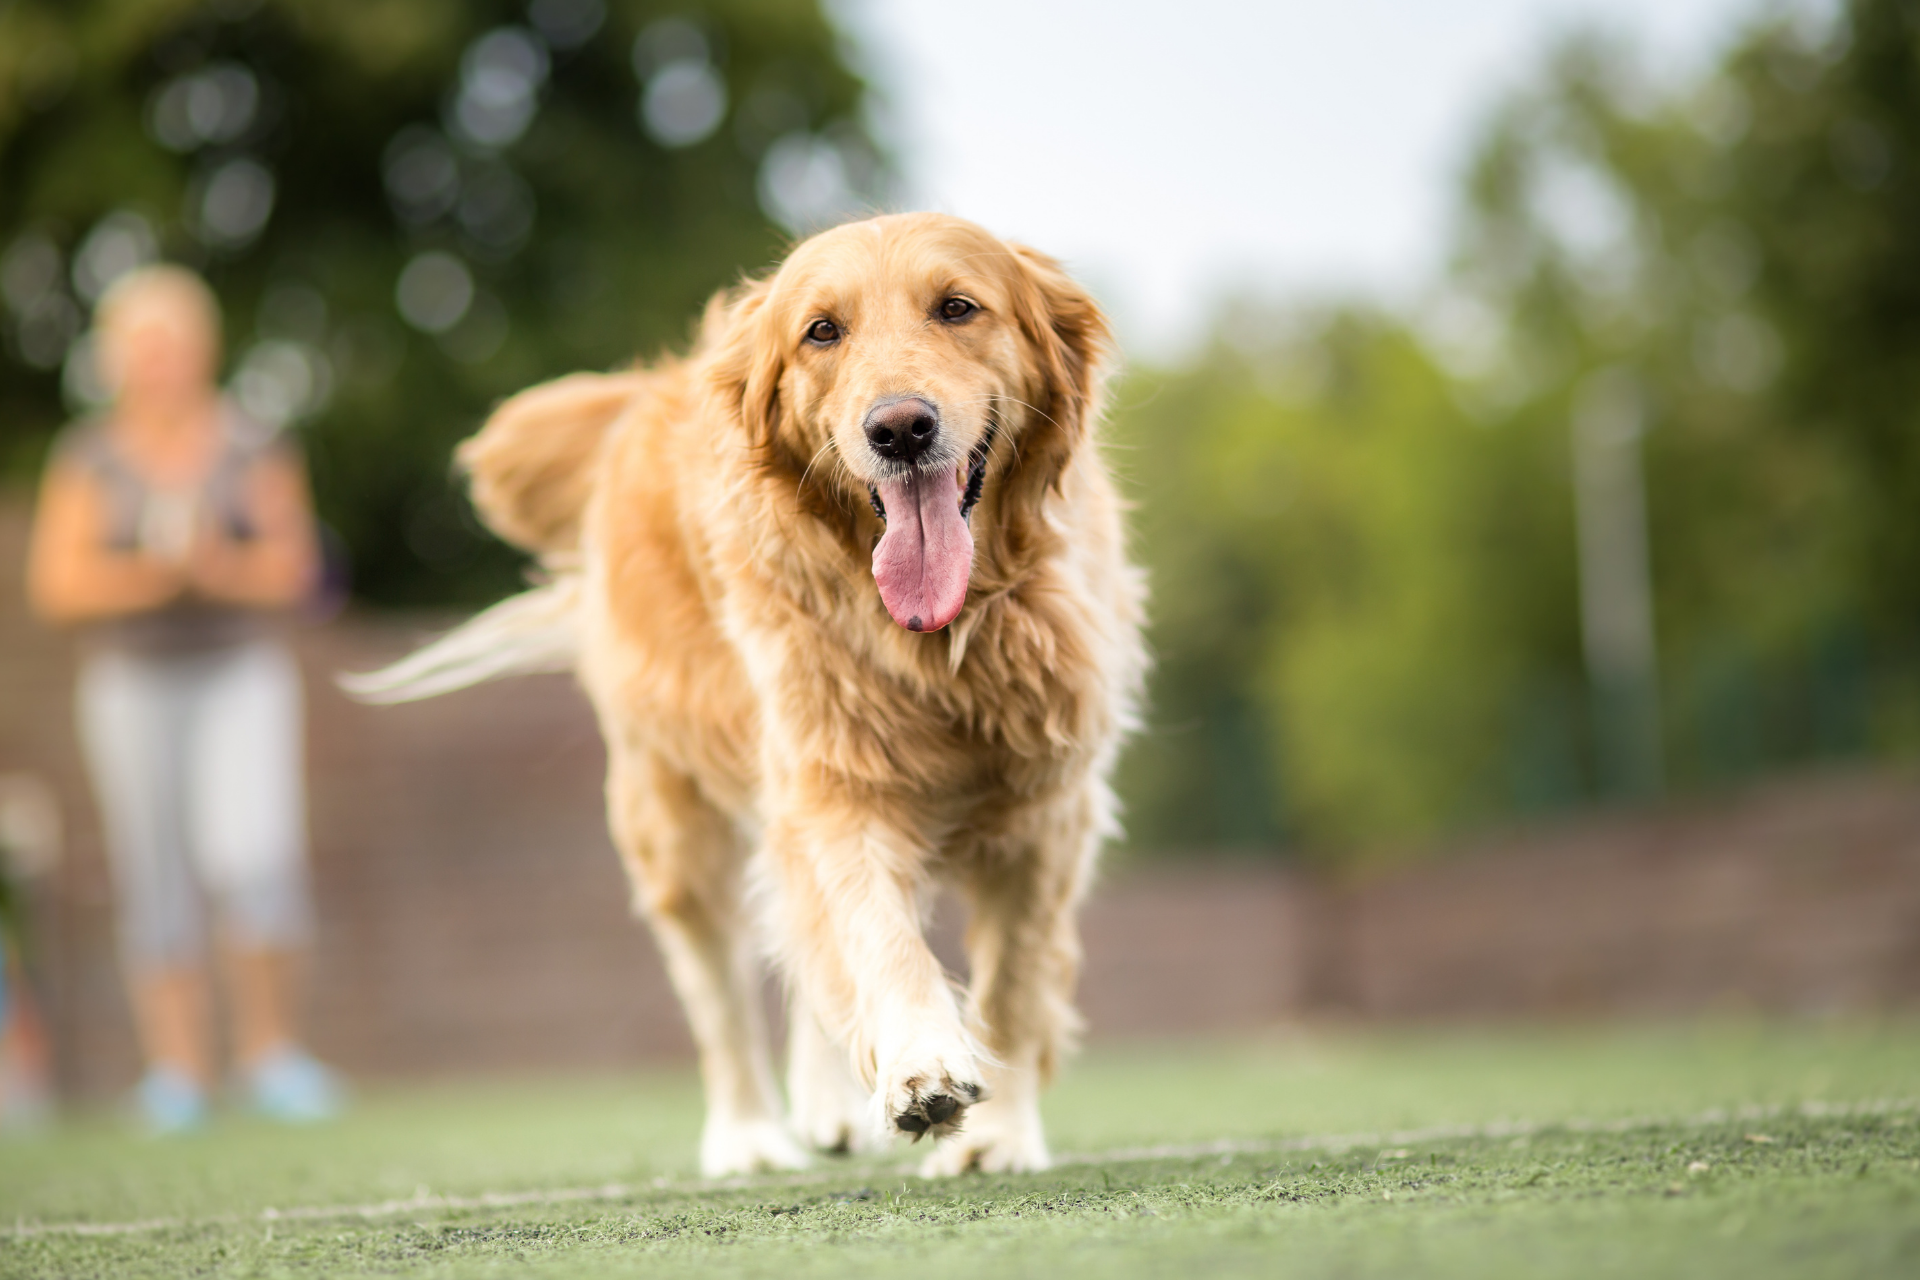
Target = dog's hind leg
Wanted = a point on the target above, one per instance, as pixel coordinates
(828, 1105)
(1023, 947)
(687, 863)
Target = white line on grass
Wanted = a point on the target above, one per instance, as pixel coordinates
(1335, 1143)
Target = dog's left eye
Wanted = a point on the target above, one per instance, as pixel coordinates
(957, 309)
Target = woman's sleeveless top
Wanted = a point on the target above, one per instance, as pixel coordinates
(137, 515)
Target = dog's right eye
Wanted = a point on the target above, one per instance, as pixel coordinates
(823, 333)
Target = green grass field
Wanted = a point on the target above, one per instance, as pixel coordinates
(1747, 1150)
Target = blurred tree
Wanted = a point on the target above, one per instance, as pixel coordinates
(409, 208)
(1690, 245)
(1357, 590)
(1367, 588)
(1825, 171)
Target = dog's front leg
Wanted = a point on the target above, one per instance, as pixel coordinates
(1023, 946)
(851, 924)
(686, 860)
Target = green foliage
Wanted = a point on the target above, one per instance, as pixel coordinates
(1352, 590)
(1614, 235)
(1366, 574)
(587, 237)
(1827, 176)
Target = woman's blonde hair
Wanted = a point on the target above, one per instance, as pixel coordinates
(162, 282)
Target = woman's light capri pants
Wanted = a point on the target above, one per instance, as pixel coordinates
(196, 760)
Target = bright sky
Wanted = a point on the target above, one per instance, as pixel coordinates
(1172, 153)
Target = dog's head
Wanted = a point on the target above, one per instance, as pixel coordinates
(920, 367)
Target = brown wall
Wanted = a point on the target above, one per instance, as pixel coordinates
(473, 916)
(1799, 897)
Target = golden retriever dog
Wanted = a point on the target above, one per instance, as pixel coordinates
(848, 589)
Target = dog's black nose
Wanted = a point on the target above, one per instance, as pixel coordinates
(902, 429)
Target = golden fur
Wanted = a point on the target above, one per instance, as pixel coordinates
(789, 770)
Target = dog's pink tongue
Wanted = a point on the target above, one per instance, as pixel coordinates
(923, 559)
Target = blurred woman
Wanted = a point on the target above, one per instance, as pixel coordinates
(174, 532)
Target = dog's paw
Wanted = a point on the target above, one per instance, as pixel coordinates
(835, 1131)
(829, 1108)
(928, 1094)
(998, 1139)
(748, 1146)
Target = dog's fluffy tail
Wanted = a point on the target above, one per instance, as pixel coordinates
(534, 631)
(533, 465)
(532, 468)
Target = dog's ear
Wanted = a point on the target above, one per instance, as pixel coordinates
(1071, 345)
(745, 362)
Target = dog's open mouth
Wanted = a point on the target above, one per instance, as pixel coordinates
(923, 560)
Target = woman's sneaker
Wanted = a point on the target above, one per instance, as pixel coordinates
(170, 1102)
(289, 1086)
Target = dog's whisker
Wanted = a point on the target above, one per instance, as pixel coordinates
(1031, 407)
(1012, 442)
(828, 447)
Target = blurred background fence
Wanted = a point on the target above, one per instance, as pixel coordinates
(473, 916)
(1607, 538)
